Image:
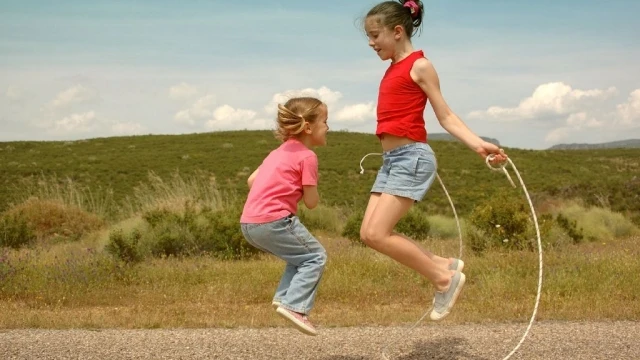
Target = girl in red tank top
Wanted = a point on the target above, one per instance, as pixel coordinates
(409, 164)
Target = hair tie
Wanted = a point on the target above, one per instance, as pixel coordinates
(415, 8)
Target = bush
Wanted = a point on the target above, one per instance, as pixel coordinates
(599, 223)
(195, 231)
(414, 225)
(351, 228)
(501, 222)
(571, 228)
(15, 231)
(48, 220)
(124, 247)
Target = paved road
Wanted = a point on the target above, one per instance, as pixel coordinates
(549, 340)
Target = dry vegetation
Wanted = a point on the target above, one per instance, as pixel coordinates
(167, 251)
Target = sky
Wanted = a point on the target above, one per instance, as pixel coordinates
(528, 73)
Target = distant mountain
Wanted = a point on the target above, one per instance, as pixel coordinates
(631, 143)
(449, 137)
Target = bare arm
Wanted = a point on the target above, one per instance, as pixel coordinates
(252, 177)
(425, 75)
(310, 196)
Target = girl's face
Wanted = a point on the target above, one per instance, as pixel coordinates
(319, 129)
(382, 39)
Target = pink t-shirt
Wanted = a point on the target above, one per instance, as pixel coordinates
(277, 188)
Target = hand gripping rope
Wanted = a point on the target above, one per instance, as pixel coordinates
(500, 167)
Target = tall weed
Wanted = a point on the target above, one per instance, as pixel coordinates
(69, 192)
(199, 189)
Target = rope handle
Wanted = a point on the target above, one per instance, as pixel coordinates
(502, 166)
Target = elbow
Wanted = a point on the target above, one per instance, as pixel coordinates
(311, 201)
(447, 119)
(311, 204)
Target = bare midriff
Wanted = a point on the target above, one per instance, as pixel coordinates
(390, 142)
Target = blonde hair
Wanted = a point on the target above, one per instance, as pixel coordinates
(293, 115)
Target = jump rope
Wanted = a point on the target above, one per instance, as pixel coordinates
(499, 167)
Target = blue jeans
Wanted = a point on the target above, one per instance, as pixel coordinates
(407, 171)
(290, 240)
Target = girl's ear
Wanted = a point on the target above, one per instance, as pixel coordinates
(397, 32)
(307, 127)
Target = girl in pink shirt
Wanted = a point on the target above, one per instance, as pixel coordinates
(269, 222)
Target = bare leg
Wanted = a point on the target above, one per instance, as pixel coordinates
(382, 214)
(442, 262)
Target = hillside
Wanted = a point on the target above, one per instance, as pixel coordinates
(120, 163)
(449, 137)
(631, 143)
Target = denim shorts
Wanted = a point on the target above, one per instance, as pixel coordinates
(407, 171)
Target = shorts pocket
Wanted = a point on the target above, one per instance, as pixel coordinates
(425, 168)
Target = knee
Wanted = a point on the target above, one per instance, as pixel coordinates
(320, 258)
(371, 237)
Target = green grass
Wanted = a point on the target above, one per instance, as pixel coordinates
(61, 204)
(110, 168)
(76, 285)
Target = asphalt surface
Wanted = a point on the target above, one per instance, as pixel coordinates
(546, 340)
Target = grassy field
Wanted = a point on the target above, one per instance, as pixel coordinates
(69, 286)
(142, 232)
(112, 167)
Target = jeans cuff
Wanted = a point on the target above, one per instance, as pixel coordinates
(298, 310)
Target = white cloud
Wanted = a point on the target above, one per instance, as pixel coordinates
(629, 112)
(202, 109)
(127, 128)
(574, 124)
(358, 113)
(554, 98)
(582, 119)
(558, 135)
(347, 114)
(84, 122)
(626, 116)
(14, 93)
(74, 95)
(325, 94)
(182, 91)
(226, 117)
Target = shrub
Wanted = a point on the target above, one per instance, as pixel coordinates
(501, 222)
(124, 247)
(599, 223)
(194, 231)
(414, 225)
(50, 220)
(15, 231)
(351, 229)
(571, 228)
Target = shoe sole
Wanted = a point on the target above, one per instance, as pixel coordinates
(299, 325)
(456, 293)
(275, 304)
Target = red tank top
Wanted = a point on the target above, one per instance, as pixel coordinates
(401, 102)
